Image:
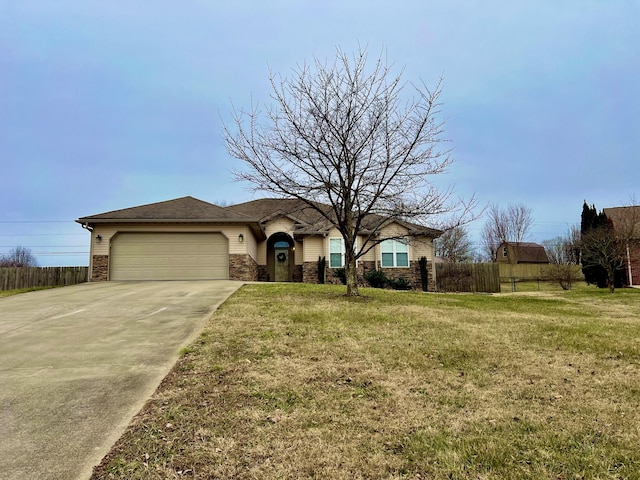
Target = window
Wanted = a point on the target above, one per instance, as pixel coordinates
(395, 253)
(336, 252)
(504, 252)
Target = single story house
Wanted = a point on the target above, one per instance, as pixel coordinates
(521, 252)
(262, 240)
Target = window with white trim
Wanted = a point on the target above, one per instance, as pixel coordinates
(394, 253)
(337, 251)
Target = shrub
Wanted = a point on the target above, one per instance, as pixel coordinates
(400, 284)
(424, 273)
(376, 278)
(565, 274)
(322, 271)
(341, 274)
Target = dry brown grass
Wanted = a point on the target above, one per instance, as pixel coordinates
(295, 381)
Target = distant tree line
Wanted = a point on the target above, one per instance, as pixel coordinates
(18, 257)
(599, 247)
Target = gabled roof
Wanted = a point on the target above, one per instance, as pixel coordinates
(255, 213)
(184, 209)
(179, 210)
(310, 221)
(529, 252)
(625, 219)
(266, 209)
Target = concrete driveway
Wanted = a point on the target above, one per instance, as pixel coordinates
(77, 363)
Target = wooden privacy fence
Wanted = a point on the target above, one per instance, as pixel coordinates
(29, 277)
(523, 271)
(528, 272)
(468, 277)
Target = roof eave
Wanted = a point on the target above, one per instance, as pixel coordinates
(163, 220)
(254, 225)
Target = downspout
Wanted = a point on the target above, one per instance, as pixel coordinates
(89, 228)
(629, 266)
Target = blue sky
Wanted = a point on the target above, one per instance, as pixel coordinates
(107, 105)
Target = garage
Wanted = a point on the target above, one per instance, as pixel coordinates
(169, 256)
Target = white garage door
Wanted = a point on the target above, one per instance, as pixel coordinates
(169, 256)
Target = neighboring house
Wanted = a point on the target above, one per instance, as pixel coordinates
(521, 252)
(626, 224)
(260, 240)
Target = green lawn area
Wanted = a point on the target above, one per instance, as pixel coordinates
(17, 291)
(297, 381)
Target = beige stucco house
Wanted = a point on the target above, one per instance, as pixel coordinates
(261, 240)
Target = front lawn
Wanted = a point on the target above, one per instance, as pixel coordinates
(296, 381)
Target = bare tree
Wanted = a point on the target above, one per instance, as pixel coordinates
(564, 248)
(603, 250)
(455, 245)
(18, 257)
(511, 224)
(564, 256)
(344, 134)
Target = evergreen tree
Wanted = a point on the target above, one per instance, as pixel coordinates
(601, 256)
(593, 274)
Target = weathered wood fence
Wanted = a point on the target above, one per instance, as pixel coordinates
(528, 272)
(523, 271)
(29, 277)
(468, 277)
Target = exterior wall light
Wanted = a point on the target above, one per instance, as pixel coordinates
(241, 238)
(98, 238)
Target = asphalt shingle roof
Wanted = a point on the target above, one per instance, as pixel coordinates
(626, 219)
(184, 209)
(529, 252)
(308, 220)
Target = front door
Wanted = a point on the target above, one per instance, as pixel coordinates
(281, 264)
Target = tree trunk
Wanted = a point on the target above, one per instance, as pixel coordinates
(351, 274)
(611, 280)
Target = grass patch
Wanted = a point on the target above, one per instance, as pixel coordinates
(17, 291)
(297, 381)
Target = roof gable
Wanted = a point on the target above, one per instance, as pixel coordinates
(311, 222)
(529, 252)
(266, 209)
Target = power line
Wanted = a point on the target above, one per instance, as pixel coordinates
(44, 246)
(57, 254)
(36, 234)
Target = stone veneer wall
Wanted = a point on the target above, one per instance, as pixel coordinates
(310, 272)
(297, 273)
(242, 267)
(362, 268)
(262, 273)
(411, 274)
(100, 270)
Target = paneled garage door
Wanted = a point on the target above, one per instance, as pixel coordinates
(169, 256)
